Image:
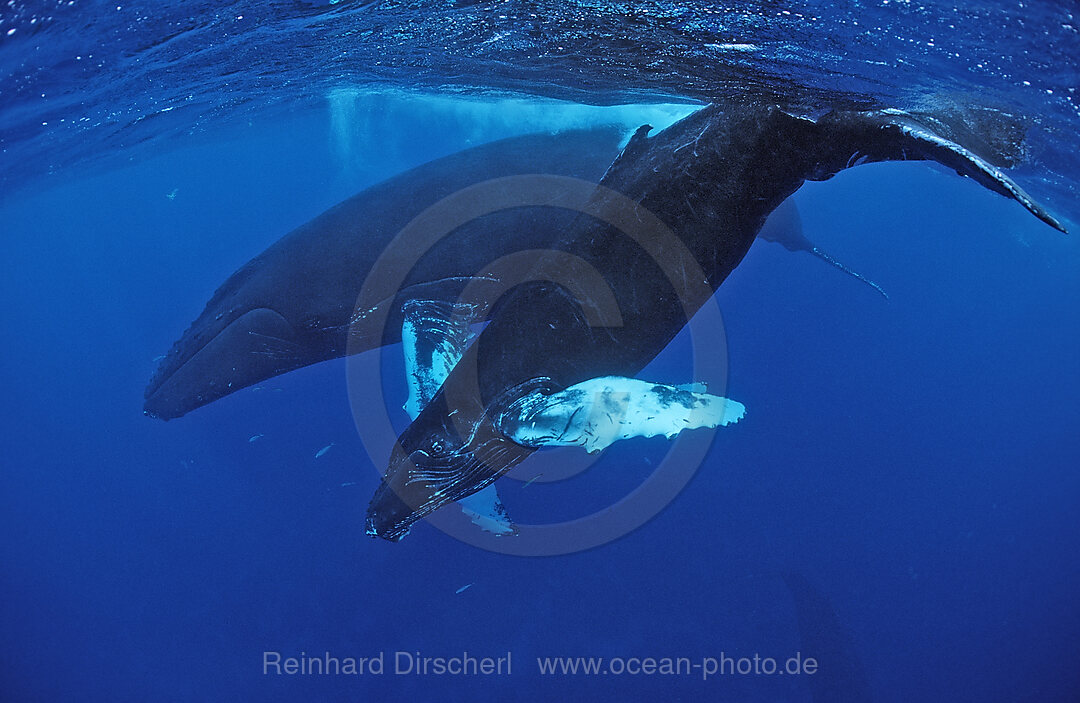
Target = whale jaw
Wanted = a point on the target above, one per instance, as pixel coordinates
(257, 345)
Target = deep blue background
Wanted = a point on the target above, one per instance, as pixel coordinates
(915, 459)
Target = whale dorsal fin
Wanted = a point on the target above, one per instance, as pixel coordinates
(638, 139)
(597, 413)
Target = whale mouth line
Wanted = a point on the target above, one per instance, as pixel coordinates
(209, 370)
(160, 380)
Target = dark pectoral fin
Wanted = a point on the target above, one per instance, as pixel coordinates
(784, 226)
(853, 138)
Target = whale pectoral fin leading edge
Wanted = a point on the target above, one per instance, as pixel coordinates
(784, 226)
(592, 415)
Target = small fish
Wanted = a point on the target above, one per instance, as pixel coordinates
(159, 357)
(323, 450)
(172, 195)
(348, 483)
(463, 589)
(256, 437)
(530, 481)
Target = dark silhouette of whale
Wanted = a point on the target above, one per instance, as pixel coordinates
(709, 180)
(290, 306)
(707, 183)
(839, 676)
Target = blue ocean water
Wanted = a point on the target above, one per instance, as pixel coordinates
(913, 459)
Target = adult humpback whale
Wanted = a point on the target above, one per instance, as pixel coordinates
(290, 306)
(711, 179)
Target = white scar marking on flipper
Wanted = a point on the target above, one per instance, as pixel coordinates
(599, 412)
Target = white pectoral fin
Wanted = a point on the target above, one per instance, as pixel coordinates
(434, 336)
(485, 509)
(595, 414)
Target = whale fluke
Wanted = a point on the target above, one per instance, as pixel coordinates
(895, 135)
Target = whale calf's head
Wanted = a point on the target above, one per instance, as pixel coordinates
(440, 458)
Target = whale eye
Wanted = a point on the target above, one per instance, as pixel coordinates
(437, 447)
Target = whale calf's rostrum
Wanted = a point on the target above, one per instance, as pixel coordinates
(694, 196)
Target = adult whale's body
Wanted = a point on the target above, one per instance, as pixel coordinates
(704, 187)
(291, 306)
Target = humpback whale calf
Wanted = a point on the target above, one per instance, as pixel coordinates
(540, 374)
